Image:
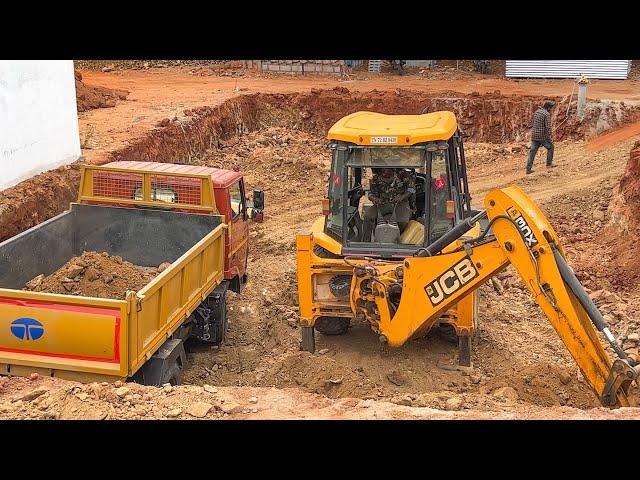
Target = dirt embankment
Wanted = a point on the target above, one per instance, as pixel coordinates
(94, 274)
(624, 226)
(37, 199)
(89, 97)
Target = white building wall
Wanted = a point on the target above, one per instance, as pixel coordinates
(603, 69)
(38, 118)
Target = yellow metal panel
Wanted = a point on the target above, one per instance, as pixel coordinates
(63, 332)
(305, 289)
(370, 128)
(324, 240)
(174, 294)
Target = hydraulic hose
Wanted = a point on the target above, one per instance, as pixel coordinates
(592, 311)
(452, 235)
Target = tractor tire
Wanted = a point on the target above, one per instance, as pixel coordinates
(447, 332)
(332, 325)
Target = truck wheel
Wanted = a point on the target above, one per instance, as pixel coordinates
(219, 322)
(332, 325)
(173, 374)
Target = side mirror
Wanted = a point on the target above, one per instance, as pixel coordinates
(258, 200)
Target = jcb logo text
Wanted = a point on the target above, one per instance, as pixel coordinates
(451, 281)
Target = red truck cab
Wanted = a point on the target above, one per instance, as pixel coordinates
(229, 197)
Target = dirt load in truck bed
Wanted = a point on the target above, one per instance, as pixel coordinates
(94, 274)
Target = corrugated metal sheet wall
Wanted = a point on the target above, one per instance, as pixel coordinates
(605, 69)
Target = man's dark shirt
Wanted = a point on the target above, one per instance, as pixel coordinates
(541, 130)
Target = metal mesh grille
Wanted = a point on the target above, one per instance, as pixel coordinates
(176, 189)
(116, 185)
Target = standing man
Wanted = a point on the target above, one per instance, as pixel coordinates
(541, 135)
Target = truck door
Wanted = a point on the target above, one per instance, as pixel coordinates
(239, 230)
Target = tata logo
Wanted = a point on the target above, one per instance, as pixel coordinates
(451, 281)
(27, 329)
(529, 238)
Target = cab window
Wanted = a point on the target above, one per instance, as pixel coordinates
(440, 193)
(237, 199)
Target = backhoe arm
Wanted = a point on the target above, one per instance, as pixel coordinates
(521, 236)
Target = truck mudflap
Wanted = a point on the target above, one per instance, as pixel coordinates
(60, 332)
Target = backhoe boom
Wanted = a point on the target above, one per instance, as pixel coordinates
(433, 281)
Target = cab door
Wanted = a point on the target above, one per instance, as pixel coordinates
(239, 235)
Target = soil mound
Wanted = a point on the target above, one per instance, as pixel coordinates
(89, 97)
(94, 274)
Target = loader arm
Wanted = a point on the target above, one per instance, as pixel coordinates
(433, 281)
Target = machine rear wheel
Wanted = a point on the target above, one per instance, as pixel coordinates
(447, 332)
(332, 325)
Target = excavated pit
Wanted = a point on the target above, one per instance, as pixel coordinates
(278, 141)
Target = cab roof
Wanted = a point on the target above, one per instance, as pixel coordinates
(220, 178)
(371, 128)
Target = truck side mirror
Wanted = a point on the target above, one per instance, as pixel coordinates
(258, 200)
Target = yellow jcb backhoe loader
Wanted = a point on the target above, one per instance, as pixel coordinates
(405, 278)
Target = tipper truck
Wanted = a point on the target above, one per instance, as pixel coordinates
(196, 218)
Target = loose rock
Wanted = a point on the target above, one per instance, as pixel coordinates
(174, 412)
(199, 409)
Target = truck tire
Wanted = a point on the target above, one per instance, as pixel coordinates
(332, 325)
(173, 374)
(219, 321)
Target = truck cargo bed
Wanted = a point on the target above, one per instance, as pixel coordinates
(87, 338)
(144, 237)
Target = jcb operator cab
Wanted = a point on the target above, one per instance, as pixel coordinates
(397, 182)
